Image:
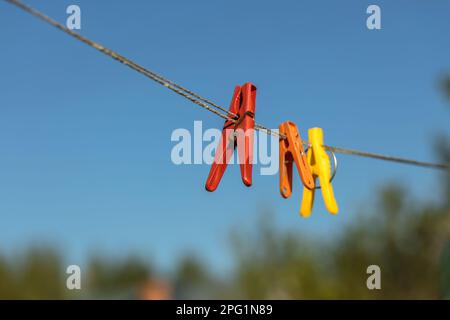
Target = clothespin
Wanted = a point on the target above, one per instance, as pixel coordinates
(291, 150)
(320, 167)
(236, 133)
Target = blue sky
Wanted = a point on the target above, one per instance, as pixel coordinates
(85, 142)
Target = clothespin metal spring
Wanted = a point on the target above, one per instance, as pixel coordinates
(335, 166)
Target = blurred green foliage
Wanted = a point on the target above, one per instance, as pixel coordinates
(406, 239)
(409, 239)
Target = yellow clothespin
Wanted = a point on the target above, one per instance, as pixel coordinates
(320, 167)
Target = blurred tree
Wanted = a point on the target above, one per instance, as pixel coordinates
(401, 236)
(445, 274)
(277, 265)
(41, 274)
(8, 287)
(36, 274)
(443, 147)
(446, 86)
(192, 280)
(110, 277)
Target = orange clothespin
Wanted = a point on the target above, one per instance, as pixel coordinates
(321, 168)
(291, 150)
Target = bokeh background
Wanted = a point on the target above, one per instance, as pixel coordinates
(86, 176)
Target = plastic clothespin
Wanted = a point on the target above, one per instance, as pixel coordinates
(291, 150)
(236, 133)
(320, 167)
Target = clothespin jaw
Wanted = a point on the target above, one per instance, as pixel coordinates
(292, 151)
(321, 168)
(237, 132)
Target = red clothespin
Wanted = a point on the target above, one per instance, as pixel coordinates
(236, 133)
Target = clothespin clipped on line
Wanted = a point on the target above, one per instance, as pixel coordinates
(236, 133)
(315, 163)
(319, 163)
(292, 151)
